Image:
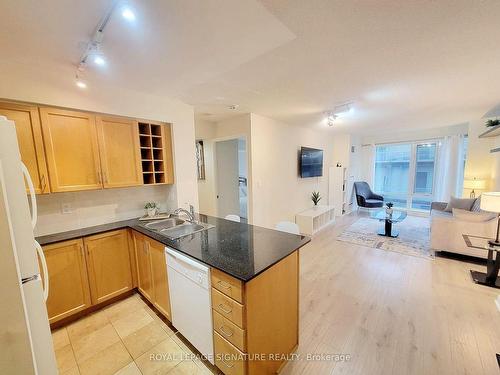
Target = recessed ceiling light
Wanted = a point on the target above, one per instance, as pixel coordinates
(234, 107)
(81, 84)
(99, 60)
(128, 14)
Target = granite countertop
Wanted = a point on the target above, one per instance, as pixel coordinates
(238, 249)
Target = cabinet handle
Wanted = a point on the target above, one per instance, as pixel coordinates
(99, 179)
(223, 284)
(221, 306)
(82, 253)
(221, 328)
(227, 364)
(105, 177)
(88, 251)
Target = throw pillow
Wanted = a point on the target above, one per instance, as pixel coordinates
(463, 204)
(477, 217)
(476, 207)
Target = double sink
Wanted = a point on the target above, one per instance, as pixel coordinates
(175, 227)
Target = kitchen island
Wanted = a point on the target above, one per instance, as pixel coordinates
(254, 279)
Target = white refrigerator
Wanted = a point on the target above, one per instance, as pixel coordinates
(25, 339)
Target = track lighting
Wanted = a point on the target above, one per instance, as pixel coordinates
(93, 48)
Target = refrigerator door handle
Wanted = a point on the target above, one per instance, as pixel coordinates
(45, 271)
(31, 188)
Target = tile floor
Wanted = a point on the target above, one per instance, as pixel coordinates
(122, 339)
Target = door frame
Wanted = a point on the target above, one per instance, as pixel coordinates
(249, 170)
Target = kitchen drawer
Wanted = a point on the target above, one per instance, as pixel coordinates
(230, 331)
(227, 307)
(228, 285)
(227, 358)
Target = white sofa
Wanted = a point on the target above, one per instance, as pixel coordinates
(447, 231)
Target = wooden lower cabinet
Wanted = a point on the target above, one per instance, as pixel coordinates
(160, 279)
(143, 261)
(69, 290)
(108, 264)
(152, 280)
(257, 321)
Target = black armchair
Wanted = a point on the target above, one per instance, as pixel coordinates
(366, 197)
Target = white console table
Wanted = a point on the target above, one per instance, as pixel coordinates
(314, 219)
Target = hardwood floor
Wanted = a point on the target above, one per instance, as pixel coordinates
(392, 313)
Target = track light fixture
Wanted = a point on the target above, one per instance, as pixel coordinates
(93, 49)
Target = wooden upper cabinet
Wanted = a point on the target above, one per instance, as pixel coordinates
(160, 279)
(29, 137)
(108, 264)
(72, 150)
(119, 151)
(69, 290)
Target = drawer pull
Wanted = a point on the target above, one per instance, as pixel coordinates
(225, 333)
(227, 364)
(227, 311)
(223, 284)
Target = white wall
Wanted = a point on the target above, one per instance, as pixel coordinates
(57, 88)
(278, 191)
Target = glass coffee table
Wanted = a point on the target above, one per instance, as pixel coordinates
(396, 217)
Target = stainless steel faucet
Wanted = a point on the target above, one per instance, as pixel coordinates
(189, 214)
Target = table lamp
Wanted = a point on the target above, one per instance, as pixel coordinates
(474, 184)
(491, 202)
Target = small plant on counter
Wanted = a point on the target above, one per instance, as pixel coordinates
(490, 122)
(315, 197)
(151, 208)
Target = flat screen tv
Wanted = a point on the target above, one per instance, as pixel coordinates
(311, 162)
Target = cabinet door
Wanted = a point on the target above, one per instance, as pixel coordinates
(108, 264)
(29, 137)
(70, 140)
(69, 286)
(120, 151)
(142, 258)
(160, 279)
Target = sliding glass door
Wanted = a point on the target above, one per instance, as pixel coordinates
(404, 173)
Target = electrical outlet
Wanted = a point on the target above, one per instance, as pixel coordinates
(66, 208)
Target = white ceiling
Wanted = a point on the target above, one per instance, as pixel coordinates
(406, 64)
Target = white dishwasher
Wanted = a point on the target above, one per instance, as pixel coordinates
(190, 300)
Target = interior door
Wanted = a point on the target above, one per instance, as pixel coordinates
(228, 199)
(120, 151)
(108, 263)
(70, 140)
(68, 280)
(29, 137)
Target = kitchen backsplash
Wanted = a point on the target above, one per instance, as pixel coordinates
(95, 207)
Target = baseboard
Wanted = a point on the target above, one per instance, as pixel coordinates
(497, 302)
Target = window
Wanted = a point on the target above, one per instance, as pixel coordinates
(404, 174)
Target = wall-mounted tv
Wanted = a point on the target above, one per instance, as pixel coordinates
(311, 162)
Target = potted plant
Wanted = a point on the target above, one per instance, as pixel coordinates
(490, 123)
(151, 208)
(315, 197)
(389, 209)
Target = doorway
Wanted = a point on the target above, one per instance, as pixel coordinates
(231, 177)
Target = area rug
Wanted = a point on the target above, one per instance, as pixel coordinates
(413, 236)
